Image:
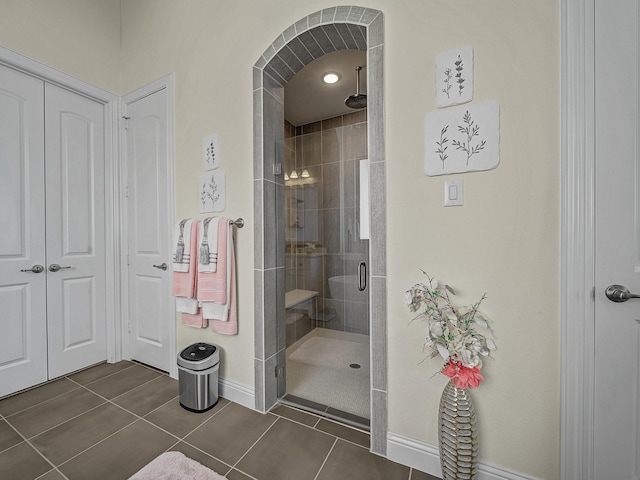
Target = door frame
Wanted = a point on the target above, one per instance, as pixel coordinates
(577, 238)
(270, 74)
(165, 82)
(39, 70)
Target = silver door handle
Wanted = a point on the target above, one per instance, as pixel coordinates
(619, 293)
(54, 267)
(34, 269)
(162, 266)
(362, 276)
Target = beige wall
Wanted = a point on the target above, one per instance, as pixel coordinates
(504, 240)
(78, 37)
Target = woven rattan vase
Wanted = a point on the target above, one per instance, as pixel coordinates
(457, 434)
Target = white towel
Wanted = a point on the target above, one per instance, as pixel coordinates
(208, 245)
(187, 305)
(182, 245)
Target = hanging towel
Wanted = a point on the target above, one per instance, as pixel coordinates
(212, 286)
(230, 325)
(208, 245)
(187, 305)
(194, 320)
(184, 281)
(183, 245)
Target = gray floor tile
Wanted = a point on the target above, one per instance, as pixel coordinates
(70, 438)
(37, 395)
(46, 415)
(148, 397)
(8, 436)
(348, 461)
(22, 462)
(295, 415)
(418, 475)
(236, 475)
(52, 475)
(344, 432)
(288, 451)
(121, 455)
(99, 371)
(178, 421)
(123, 381)
(230, 434)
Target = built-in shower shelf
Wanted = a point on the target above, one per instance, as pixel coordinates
(324, 315)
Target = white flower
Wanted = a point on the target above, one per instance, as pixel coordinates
(469, 358)
(412, 299)
(408, 297)
(436, 329)
(442, 350)
(452, 332)
(480, 320)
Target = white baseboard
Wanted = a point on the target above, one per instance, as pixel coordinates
(425, 457)
(236, 393)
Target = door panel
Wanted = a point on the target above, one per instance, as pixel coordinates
(151, 310)
(23, 342)
(76, 292)
(617, 242)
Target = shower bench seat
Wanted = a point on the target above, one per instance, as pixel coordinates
(294, 297)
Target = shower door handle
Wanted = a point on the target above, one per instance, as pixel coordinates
(362, 276)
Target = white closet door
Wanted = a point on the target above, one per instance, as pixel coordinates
(76, 295)
(23, 326)
(151, 309)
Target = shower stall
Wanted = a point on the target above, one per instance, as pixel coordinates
(326, 247)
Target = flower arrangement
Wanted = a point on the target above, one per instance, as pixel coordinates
(452, 332)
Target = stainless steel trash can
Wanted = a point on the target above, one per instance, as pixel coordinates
(198, 366)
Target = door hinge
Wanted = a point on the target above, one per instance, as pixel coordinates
(125, 122)
(277, 169)
(279, 371)
(127, 259)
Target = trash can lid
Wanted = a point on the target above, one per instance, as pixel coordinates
(199, 356)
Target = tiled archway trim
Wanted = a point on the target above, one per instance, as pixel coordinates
(325, 31)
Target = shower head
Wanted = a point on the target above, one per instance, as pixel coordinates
(359, 100)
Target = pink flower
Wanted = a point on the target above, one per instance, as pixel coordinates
(462, 376)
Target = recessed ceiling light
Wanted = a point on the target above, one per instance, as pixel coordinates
(330, 78)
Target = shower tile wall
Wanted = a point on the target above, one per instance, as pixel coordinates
(322, 214)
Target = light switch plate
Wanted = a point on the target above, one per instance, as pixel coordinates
(453, 193)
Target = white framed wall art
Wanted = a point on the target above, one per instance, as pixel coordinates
(212, 190)
(210, 152)
(462, 139)
(454, 77)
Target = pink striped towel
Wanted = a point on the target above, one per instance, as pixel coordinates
(230, 325)
(184, 283)
(212, 286)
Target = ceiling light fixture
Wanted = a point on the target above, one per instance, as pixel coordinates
(305, 173)
(330, 77)
(294, 174)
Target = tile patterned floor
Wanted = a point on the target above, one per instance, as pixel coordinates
(109, 421)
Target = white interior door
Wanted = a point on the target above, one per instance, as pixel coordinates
(76, 280)
(23, 325)
(149, 224)
(617, 334)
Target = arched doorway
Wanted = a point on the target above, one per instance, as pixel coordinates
(322, 32)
